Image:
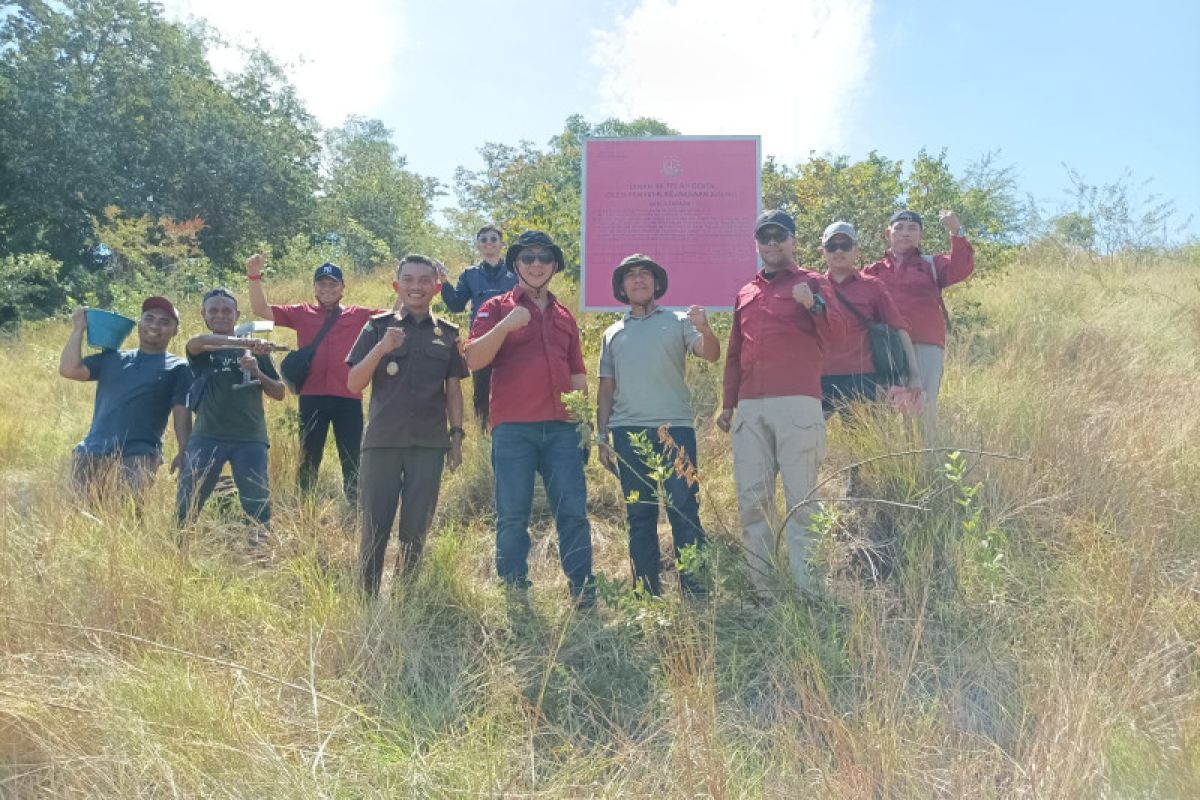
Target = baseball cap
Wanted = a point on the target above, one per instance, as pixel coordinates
(162, 304)
(907, 216)
(776, 217)
(841, 227)
(328, 270)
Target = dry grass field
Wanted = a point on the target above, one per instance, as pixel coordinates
(1029, 627)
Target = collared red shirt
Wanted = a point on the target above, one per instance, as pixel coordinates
(852, 356)
(776, 345)
(911, 283)
(478, 284)
(534, 365)
(327, 376)
(408, 387)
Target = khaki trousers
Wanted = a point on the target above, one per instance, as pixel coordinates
(930, 361)
(784, 436)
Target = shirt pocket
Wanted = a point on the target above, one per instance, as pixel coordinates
(562, 335)
(436, 361)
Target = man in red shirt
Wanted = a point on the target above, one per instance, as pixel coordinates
(324, 399)
(915, 282)
(848, 373)
(782, 323)
(532, 343)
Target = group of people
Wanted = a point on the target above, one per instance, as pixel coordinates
(798, 350)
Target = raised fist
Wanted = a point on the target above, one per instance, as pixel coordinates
(698, 317)
(254, 265)
(517, 318)
(79, 318)
(950, 222)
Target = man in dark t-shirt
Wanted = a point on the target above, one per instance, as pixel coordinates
(412, 361)
(135, 392)
(231, 427)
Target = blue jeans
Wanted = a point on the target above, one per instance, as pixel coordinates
(682, 502)
(520, 449)
(202, 467)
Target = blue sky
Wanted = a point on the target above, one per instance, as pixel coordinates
(1100, 87)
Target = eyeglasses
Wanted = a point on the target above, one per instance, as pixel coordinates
(834, 246)
(778, 236)
(545, 258)
(488, 238)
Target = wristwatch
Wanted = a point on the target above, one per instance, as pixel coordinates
(818, 306)
(457, 430)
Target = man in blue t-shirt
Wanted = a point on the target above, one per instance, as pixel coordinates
(136, 391)
(478, 284)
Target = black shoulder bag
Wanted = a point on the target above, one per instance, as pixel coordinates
(295, 365)
(887, 348)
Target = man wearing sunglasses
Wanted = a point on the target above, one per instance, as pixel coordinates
(916, 282)
(848, 374)
(783, 320)
(532, 343)
(490, 277)
(136, 390)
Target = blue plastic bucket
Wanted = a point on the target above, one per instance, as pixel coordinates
(107, 329)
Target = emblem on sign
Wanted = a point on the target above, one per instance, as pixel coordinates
(672, 167)
(393, 368)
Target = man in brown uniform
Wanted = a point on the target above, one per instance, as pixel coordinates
(414, 422)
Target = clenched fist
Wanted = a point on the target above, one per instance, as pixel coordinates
(517, 318)
(393, 339)
(698, 317)
(803, 295)
(950, 222)
(254, 265)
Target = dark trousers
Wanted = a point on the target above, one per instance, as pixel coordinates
(839, 391)
(481, 390)
(682, 502)
(202, 465)
(408, 477)
(520, 450)
(317, 413)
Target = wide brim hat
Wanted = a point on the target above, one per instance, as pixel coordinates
(533, 239)
(638, 260)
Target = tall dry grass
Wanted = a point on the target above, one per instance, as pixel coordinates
(1035, 637)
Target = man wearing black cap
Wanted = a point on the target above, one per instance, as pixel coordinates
(324, 399)
(477, 284)
(135, 392)
(915, 282)
(643, 388)
(782, 323)
(532, 343)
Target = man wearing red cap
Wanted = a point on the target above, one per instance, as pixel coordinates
(325, 399)
(135, 392)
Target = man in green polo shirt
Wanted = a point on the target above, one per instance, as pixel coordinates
(412, 361)
(642, 389)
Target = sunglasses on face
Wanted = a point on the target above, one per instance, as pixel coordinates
(528, 258)
(778, 236)
(488, 238)
(834, 246)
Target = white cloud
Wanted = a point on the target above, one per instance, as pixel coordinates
(340, 57)
(787, 69)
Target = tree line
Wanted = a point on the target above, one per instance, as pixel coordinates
(127, 164)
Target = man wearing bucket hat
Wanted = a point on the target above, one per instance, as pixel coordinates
(532, 343)
(477, 284)
(915, 282)
(136, 390)
(643, 388)
(783, 320)
(325, 400)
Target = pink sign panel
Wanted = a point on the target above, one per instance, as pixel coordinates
(688, 202)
